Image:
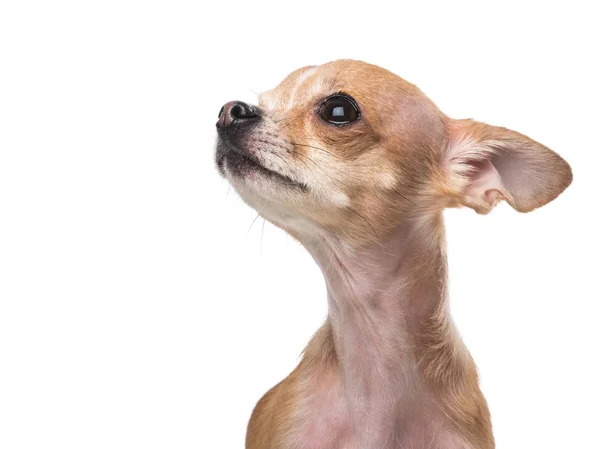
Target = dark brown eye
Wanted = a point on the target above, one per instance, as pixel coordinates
(339, 110)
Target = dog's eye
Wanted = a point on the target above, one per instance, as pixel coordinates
(339, 110)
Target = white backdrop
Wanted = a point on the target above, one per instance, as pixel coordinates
(139, 309)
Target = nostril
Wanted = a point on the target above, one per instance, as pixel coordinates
(237, 111)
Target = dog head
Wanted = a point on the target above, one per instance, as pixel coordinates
(352, 150)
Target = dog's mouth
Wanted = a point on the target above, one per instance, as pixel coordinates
(240, 164)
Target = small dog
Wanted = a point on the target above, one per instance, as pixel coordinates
(357, 164)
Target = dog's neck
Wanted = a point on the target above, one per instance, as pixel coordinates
(383, 299)
(383, 294)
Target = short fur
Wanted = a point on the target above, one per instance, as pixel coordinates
(387, 369)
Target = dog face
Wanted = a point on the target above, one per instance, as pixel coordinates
(352, 150)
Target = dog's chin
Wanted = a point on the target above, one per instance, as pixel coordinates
(242, 169)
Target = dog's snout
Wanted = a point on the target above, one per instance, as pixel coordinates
(235, 112)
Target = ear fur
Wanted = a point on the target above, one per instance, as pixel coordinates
(485, 164)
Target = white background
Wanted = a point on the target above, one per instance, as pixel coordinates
(139, 309)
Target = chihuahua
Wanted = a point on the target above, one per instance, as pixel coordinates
(358, 165)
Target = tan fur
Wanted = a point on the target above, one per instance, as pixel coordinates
(272, 420)
(377, 189)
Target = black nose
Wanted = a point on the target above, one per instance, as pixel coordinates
(235, 112)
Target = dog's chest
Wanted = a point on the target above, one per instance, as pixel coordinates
(324, 418)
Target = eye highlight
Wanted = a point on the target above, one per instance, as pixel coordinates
(339, 110)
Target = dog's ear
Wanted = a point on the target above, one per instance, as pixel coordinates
(484, 164)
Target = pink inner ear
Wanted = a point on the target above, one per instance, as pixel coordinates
(518, 177)
(485, 187)
(487, 163)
